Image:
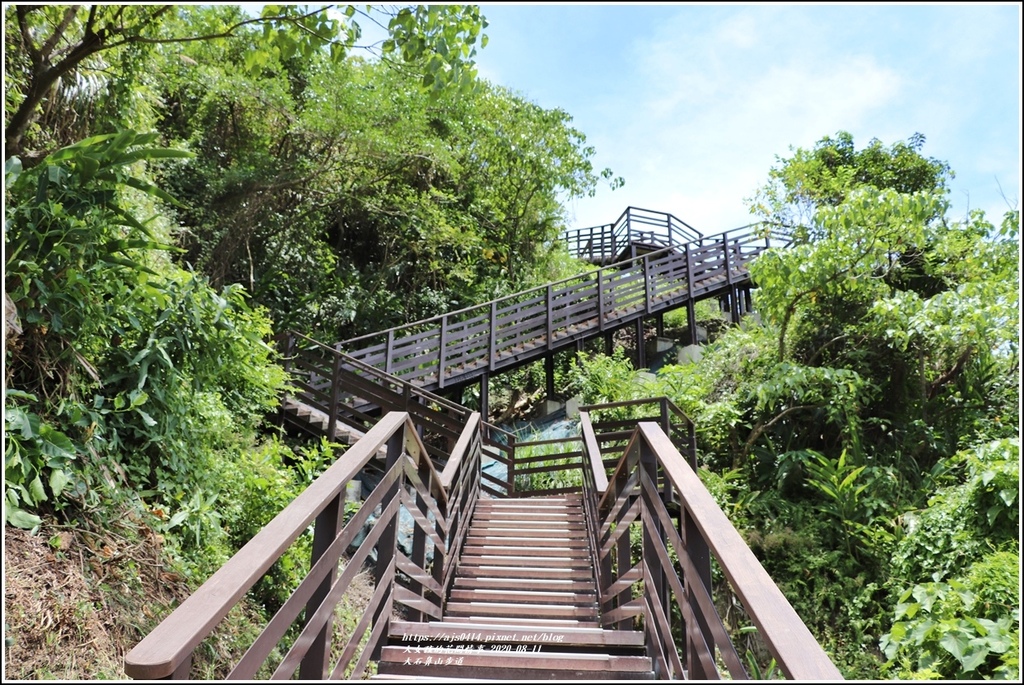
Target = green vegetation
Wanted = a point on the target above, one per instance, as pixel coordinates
(863, 438)
(183, 182)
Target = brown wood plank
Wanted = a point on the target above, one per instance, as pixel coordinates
(568, 562)
(526, 584)
(480, 609)
(453, 632)
(538, 660)
(499, 571)
(532, 541)
(495, 535)
(523, 597)
(506, 550)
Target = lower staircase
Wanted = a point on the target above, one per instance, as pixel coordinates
(523, 605)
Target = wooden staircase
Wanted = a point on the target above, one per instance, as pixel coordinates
(523, 605)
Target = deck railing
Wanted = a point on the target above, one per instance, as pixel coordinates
(440, 505)
(458, 347)
(665, 583)
(607, 243)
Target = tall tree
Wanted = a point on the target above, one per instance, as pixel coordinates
(49, 44)
(826, 174)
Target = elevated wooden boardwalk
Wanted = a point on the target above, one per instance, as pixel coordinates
(468, 346)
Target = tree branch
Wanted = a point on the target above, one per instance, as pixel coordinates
(58, 33)
(26, 37)
(761, 428)
(949, 376)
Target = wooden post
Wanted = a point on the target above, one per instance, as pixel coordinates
(440, 351)
(696, 547)
(648, 284)
(511, 471)
(483, 397)
(609, 343)
(491, 336)
(600, 302)
(641, 353)
(332, 416)
(653, 535)
(315, 663)
(389, 349)
(389, 538)
(691, 313)
(548, 295)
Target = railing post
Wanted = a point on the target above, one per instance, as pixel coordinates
(440, 351)
(648, 285)
(548, 296)
(389, 538)
(332, 417)
(389, 350)
(315, 663)
(419, 538)
(492, 340)
(696, 548)
(600, 301)
(511, 471)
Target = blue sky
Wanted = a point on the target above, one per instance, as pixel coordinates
(691, 103)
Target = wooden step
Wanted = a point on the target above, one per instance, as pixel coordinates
(559, 584)
(490, 548)
(493, 530)
(512, 538)
(536, 623)
(454, 632)
(539, 514)
(521, 596)
(524, 572)
(565, 562)
(479, 609)
(501, 661)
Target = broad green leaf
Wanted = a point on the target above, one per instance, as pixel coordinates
(58, 481)
(20, 518)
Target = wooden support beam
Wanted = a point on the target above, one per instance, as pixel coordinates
(483, 396)
(641, 352)
(549, 375)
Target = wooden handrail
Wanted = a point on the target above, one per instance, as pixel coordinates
(169, 645)
(410, 481)
(592, 454)
(796, 651)
(451, 469)
(633, 496)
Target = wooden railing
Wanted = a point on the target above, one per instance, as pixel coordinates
(606, 243)
(665, 584)
(353, 393)
(441, 506)
(458, 347)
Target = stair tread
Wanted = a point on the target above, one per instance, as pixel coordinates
(533, 541)
(562, 584)
(455, 631)
(566, 562)
(547, 660)
(522, 597)
(517, 550)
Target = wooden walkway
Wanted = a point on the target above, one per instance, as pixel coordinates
(470, 345)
